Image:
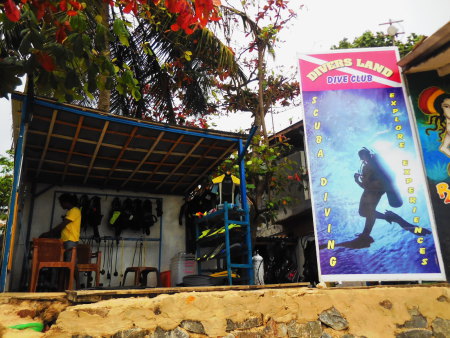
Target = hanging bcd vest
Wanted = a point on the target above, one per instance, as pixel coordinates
(127, 214)
(148, 218)
(114, 216)
(228, 186)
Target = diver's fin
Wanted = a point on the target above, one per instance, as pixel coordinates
(393, 217)
(360, 242)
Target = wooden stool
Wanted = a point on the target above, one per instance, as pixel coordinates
(140, 275)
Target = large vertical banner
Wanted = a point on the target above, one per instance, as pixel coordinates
(371, 206)
(430, 95)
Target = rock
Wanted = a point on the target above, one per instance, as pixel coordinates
(386, 304)
(274, 329)
(131, 333)
(26, 313)
(325, 335)
(249, 335)
(443, 298)
(417, 321)
(177, 333)
(333, 319)
(441, 327)
(246, 324)
(193, 326)
(321, 285)
(347, 335)
(415, 333)
(310, 329)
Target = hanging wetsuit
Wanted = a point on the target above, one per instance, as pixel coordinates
(159, 208)
(137, 222)
(95, 216)
(84, 208)
(207, 201)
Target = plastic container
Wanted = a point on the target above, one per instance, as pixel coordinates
(182, 264)
(165, 279)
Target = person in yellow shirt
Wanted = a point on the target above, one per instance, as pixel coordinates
(69, 228)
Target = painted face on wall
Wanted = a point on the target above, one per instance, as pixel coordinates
(446, 108)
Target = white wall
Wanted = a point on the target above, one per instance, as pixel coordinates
(173, 235)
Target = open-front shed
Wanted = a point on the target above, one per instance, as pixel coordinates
(61, 148)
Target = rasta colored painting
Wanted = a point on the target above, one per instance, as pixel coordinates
(371, 208)
(431, 104)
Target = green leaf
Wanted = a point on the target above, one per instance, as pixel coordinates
(121, 32)
(92, 78)
(100, 37)
(72, 80)
(136, 94)
(25, 44)
(78, 23)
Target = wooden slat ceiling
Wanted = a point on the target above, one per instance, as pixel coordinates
(71, 145)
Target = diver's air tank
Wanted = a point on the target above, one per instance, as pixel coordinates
(258, 268)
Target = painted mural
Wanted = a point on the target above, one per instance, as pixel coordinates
(430, 96)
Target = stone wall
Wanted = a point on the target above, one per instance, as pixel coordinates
(413, 311)
(404, 312)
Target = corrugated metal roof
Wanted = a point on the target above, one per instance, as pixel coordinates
(431, 54)
(67, 144)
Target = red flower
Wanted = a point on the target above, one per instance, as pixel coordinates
(63, 5)
(60, 34)
(76, 5)
(46, 61)
(11, 11)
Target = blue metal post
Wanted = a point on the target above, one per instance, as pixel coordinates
(160, 239)
(18, 158)
(246, 211)
(227, 241)
(247, 144)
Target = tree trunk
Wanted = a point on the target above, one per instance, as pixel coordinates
(261, 71)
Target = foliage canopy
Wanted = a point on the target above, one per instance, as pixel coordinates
(379, 39)
(6, 180)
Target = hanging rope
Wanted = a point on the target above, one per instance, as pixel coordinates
(104, 260)
(144, 255)
(115, 265)
(134, 255)
(140, 253)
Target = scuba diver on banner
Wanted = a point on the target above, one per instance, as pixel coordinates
(376, 181)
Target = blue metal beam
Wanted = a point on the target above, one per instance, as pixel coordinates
(247, 144)
(18, 158)
(110, 118)
(248, 236)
